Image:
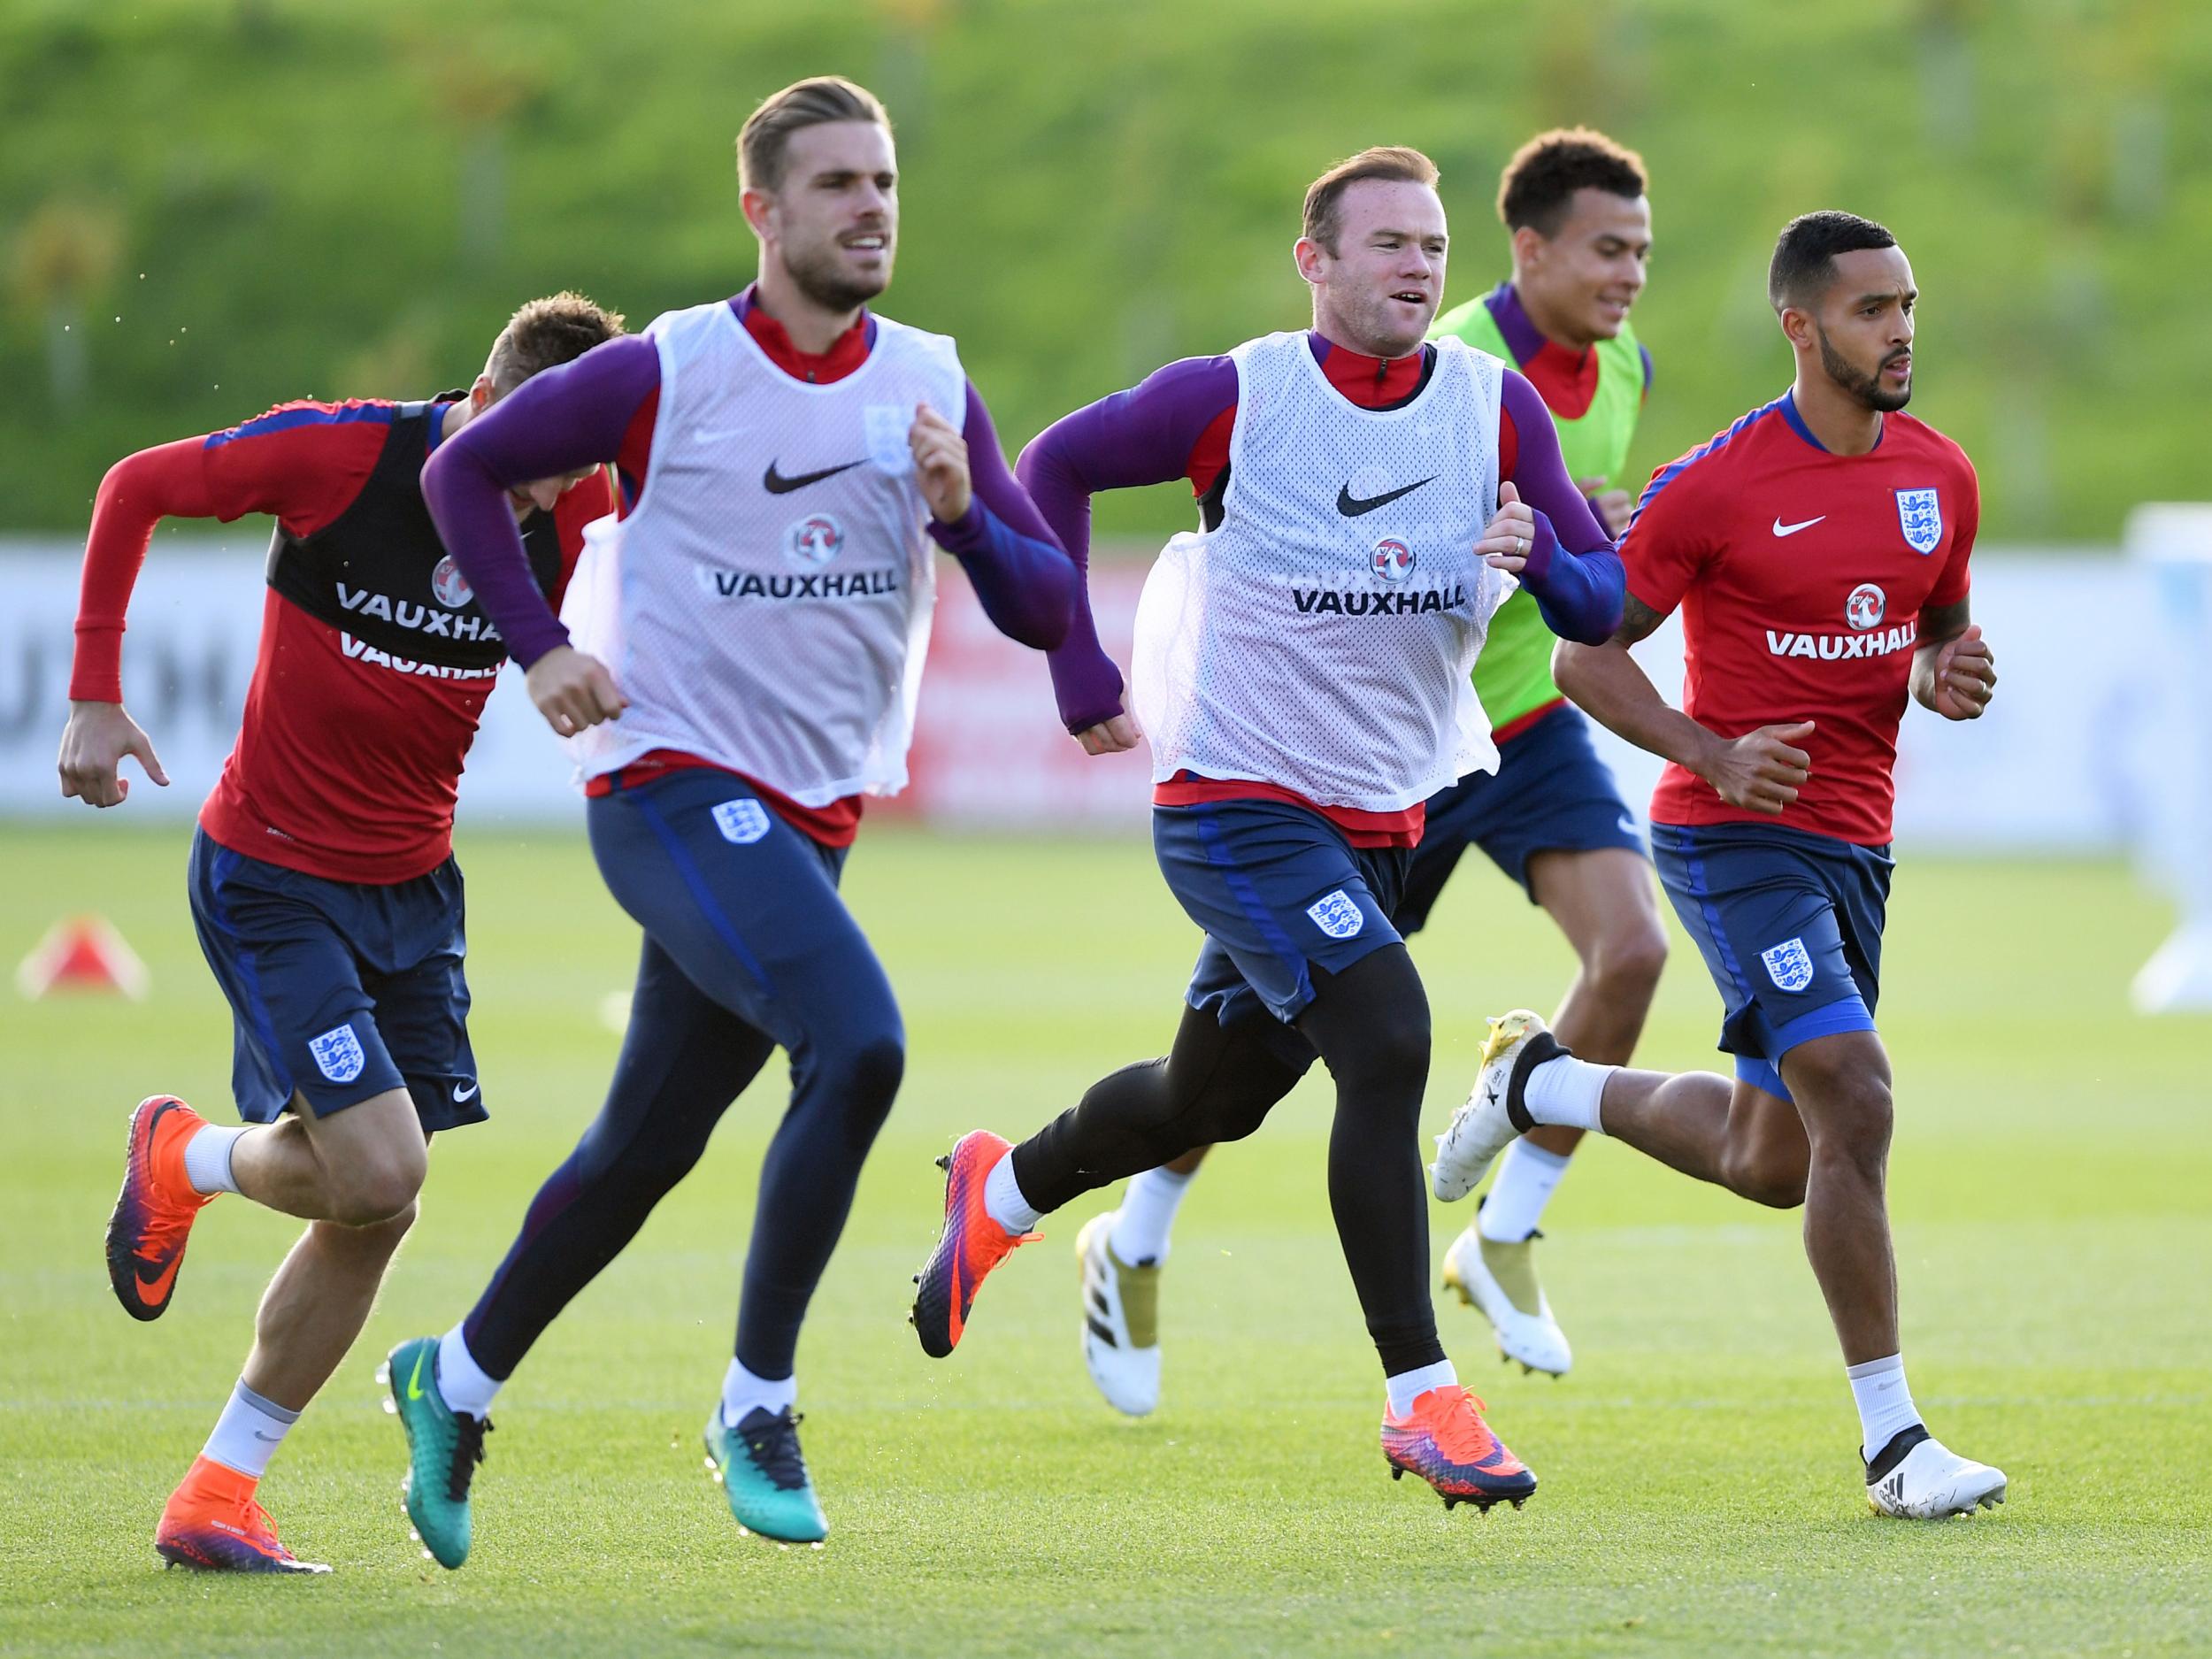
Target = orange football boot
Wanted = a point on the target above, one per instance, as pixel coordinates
(211, 1523)
(1445, 1441)
(153, 1214)
(970, 1246)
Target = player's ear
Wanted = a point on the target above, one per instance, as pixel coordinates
(1797, 324)
(1308, 255)
(758, 207)
(482, 394)
(1528, 245)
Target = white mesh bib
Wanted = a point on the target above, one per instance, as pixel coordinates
(766, 605)
(1322, 637)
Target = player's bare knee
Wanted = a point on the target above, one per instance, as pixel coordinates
(1629, 960)
(377, 1188)
(1850, 1120)
(1766, 1175)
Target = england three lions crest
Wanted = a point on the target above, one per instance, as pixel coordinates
(1789, 964)
(1921, 516)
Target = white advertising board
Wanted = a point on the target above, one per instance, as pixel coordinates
(2065, 760)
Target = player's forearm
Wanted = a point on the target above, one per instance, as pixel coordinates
(1025, 583)
(1086, 687)
(138, 492)
(1609, 685)
(1579, 594)
(563, 420)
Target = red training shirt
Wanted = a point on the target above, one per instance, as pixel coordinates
(343, 768)
(1802, 575)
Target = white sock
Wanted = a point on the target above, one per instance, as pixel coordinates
(1527, 1177)
(1147, 1212)
(462, 1382)
(248, 1433)
(1885, 1407)
(743, 1391)
(207, 1158)
(1002, 1198)
(1408, 1385)
(1566, 1092)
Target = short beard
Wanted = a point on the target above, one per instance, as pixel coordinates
(1866, 389)
(818, 277)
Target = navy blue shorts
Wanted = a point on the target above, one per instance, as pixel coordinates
(1278, 892)
(1790, 924)
(1550, 794)
(339, 990)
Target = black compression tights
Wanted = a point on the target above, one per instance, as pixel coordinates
(1370, 1024)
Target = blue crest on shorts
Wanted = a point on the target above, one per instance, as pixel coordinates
(743, 822)
(1336, 915)
(1921, 515)
(1789, 964)
(338, 1054)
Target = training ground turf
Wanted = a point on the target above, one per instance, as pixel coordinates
(1701, 1492)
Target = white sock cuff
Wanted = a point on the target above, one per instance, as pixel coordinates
(1408, 1385)
(745, 1391)
(1002, 1198)
(207, 1158)
(248, 1432)
(462, 1384)
(1527, 1177)
(1885, 1401)
(1147, 1217)
(1566, 1092)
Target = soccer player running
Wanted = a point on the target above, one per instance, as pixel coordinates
(1550, 817)
(1303, 667)
(322, 881)
(763, 656)
(1819, 549)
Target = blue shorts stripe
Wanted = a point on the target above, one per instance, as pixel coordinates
(1703, 892)
(248, 972)
(1850, 1014)
(1249, 901)
(694, 882)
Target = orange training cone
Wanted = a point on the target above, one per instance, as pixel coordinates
(84, 953)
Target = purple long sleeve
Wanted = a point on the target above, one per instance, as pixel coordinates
(1573, 573)
(1144, 435)
(566, 418)
(1025, 583)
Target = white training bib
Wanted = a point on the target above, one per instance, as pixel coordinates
(1322, 637)
(766, 605)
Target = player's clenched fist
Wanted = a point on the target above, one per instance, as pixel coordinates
(1761, 770)
(1961, 678)
(1507, 537)
(941, 459)
(1110, 737)
(93, 745)
(573, 691)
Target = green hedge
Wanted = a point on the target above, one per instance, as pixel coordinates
(206, 208)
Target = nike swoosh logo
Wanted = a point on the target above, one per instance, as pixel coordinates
(271, 1439)
(465, 1091)
(1351, 506)
(414, 1377)
(776, 484)
(158, 1286)
(1792, 529)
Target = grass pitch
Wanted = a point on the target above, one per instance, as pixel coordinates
(1699, 1486)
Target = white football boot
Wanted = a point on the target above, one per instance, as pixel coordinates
(1919, 1479)
(1493, 1115)
(1121, 1328)
(1500, 1280)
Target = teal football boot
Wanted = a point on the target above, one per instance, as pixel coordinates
(444, 1449)
(764, 1476)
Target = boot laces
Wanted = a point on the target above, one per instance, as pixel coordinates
(771, 1441)
(468, 1451)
